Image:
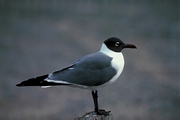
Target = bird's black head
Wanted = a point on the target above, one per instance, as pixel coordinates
(116, 45)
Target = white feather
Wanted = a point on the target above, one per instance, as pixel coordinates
(117, 62)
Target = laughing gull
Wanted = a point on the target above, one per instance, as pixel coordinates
(89, 72)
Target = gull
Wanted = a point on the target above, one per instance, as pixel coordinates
(88, 72)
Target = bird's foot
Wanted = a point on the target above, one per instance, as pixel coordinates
(102, 112)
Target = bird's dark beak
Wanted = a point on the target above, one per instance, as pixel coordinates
(130, 46)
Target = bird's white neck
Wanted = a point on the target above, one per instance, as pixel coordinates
(118, 59)
(109, 52)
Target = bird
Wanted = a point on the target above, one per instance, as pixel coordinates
(91, 71)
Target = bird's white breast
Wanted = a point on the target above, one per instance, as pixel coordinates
(117, 62)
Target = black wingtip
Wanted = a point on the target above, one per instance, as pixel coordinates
(38, 81)
(22, 84)
(19, 85)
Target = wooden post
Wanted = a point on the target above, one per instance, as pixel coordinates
(93, 116)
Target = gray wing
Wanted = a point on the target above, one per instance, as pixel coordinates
(91, 70)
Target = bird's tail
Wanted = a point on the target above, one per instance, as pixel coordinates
(38, 81)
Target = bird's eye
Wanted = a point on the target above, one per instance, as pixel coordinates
(117, 44)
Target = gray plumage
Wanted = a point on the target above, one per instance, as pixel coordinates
(91, 70)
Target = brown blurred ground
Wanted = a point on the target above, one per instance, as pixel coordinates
(38, 37)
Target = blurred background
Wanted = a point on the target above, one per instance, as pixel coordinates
(40, 36)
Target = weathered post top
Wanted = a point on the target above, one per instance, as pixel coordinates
(93, 116)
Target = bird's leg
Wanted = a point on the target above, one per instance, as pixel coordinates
(96, 107)
(95, 99)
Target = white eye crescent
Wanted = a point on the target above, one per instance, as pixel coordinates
(117, 44)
